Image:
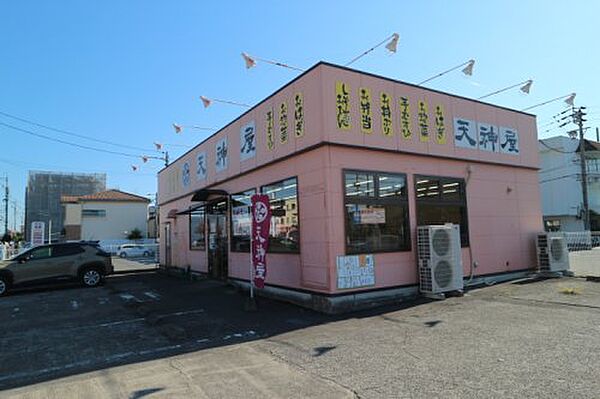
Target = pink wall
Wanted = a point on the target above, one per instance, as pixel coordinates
(503, 209)
(309, 269)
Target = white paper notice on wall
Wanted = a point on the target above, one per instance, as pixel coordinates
(509, 141)
(354, 271)
(248, 141)
(488, 137)
(465, 133)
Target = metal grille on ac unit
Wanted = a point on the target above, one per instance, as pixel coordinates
(440, 260)
(552, 252)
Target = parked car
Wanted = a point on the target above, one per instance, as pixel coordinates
(134, 251)
(84, 262)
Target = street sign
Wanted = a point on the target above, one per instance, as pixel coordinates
(38, 230)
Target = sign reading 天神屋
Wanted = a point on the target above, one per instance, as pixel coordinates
(261, 222)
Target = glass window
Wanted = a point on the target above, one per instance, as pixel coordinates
(40, 253)
(285, 225)
(376, 209)
(94, 212)
(241, 221)
(442, 200)
(66, 250)
(197, 229)
(360, 184)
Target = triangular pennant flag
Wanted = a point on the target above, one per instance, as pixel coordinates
(393, 44)
(468, 70)
(527, 86)
(205, 101)
(250, 62)
(178, 128)
(158, 146)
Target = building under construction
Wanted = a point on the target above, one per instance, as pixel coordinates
(44, 190)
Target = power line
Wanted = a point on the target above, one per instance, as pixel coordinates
(555, 149)
(85, 147)
(74, 134)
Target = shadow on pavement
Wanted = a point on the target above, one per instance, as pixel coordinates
(135, 318)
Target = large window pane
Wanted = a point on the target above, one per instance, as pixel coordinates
(285, 228)
(197, 236)
(241, 221)
(376, 228)
(359, 184)
(392, 186)
(376, 209)
(442, 200)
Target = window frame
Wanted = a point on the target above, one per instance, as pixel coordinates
(462, 203)
(197, 248)
(297, 251)
(406, 246)
(231, 238)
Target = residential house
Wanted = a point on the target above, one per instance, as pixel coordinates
(560, 182)
(106, 215)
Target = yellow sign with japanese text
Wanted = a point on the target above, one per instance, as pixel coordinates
(440, 128)
(342, 106)
(423, 119)
(269, 129)
(299, 115)
(387, 127)
(283, 123)
(405, 118)
(366, 117)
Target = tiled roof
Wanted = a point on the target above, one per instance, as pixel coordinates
(109, 195)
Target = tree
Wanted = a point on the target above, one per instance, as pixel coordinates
(135, 234)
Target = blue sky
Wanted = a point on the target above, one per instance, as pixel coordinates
(123, 71)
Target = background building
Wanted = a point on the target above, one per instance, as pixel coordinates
(44, 191)
(107, 215)
(560, 182)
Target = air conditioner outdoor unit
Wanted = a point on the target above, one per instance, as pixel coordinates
(552, 252)
(440, 259)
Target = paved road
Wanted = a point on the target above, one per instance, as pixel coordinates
(133, 264)
(159, 337)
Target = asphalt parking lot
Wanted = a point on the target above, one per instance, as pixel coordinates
(149, 335)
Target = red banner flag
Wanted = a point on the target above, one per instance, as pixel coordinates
(261, 222)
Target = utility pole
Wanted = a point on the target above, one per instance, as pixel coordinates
(6, 205)
(578, 119)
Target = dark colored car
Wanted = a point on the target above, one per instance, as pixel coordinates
(82, 261)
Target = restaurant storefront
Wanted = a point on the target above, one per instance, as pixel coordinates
(352, 164)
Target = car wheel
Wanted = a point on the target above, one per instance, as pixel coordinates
(146, 254)
(91, 277)
(122, 255)
(3, 285)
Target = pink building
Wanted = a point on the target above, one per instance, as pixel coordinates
(353, 162)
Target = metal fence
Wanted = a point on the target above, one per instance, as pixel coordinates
(582, 240)
(131, 248)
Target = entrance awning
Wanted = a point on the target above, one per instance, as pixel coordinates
(172, 214)
(205, 193)
(189, 210)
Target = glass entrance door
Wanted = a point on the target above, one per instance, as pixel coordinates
(216, 214)
(167, 238)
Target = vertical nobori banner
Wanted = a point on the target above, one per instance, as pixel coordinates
(261, 222)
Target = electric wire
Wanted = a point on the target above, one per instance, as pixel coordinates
(82, 146)
(24, 120)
